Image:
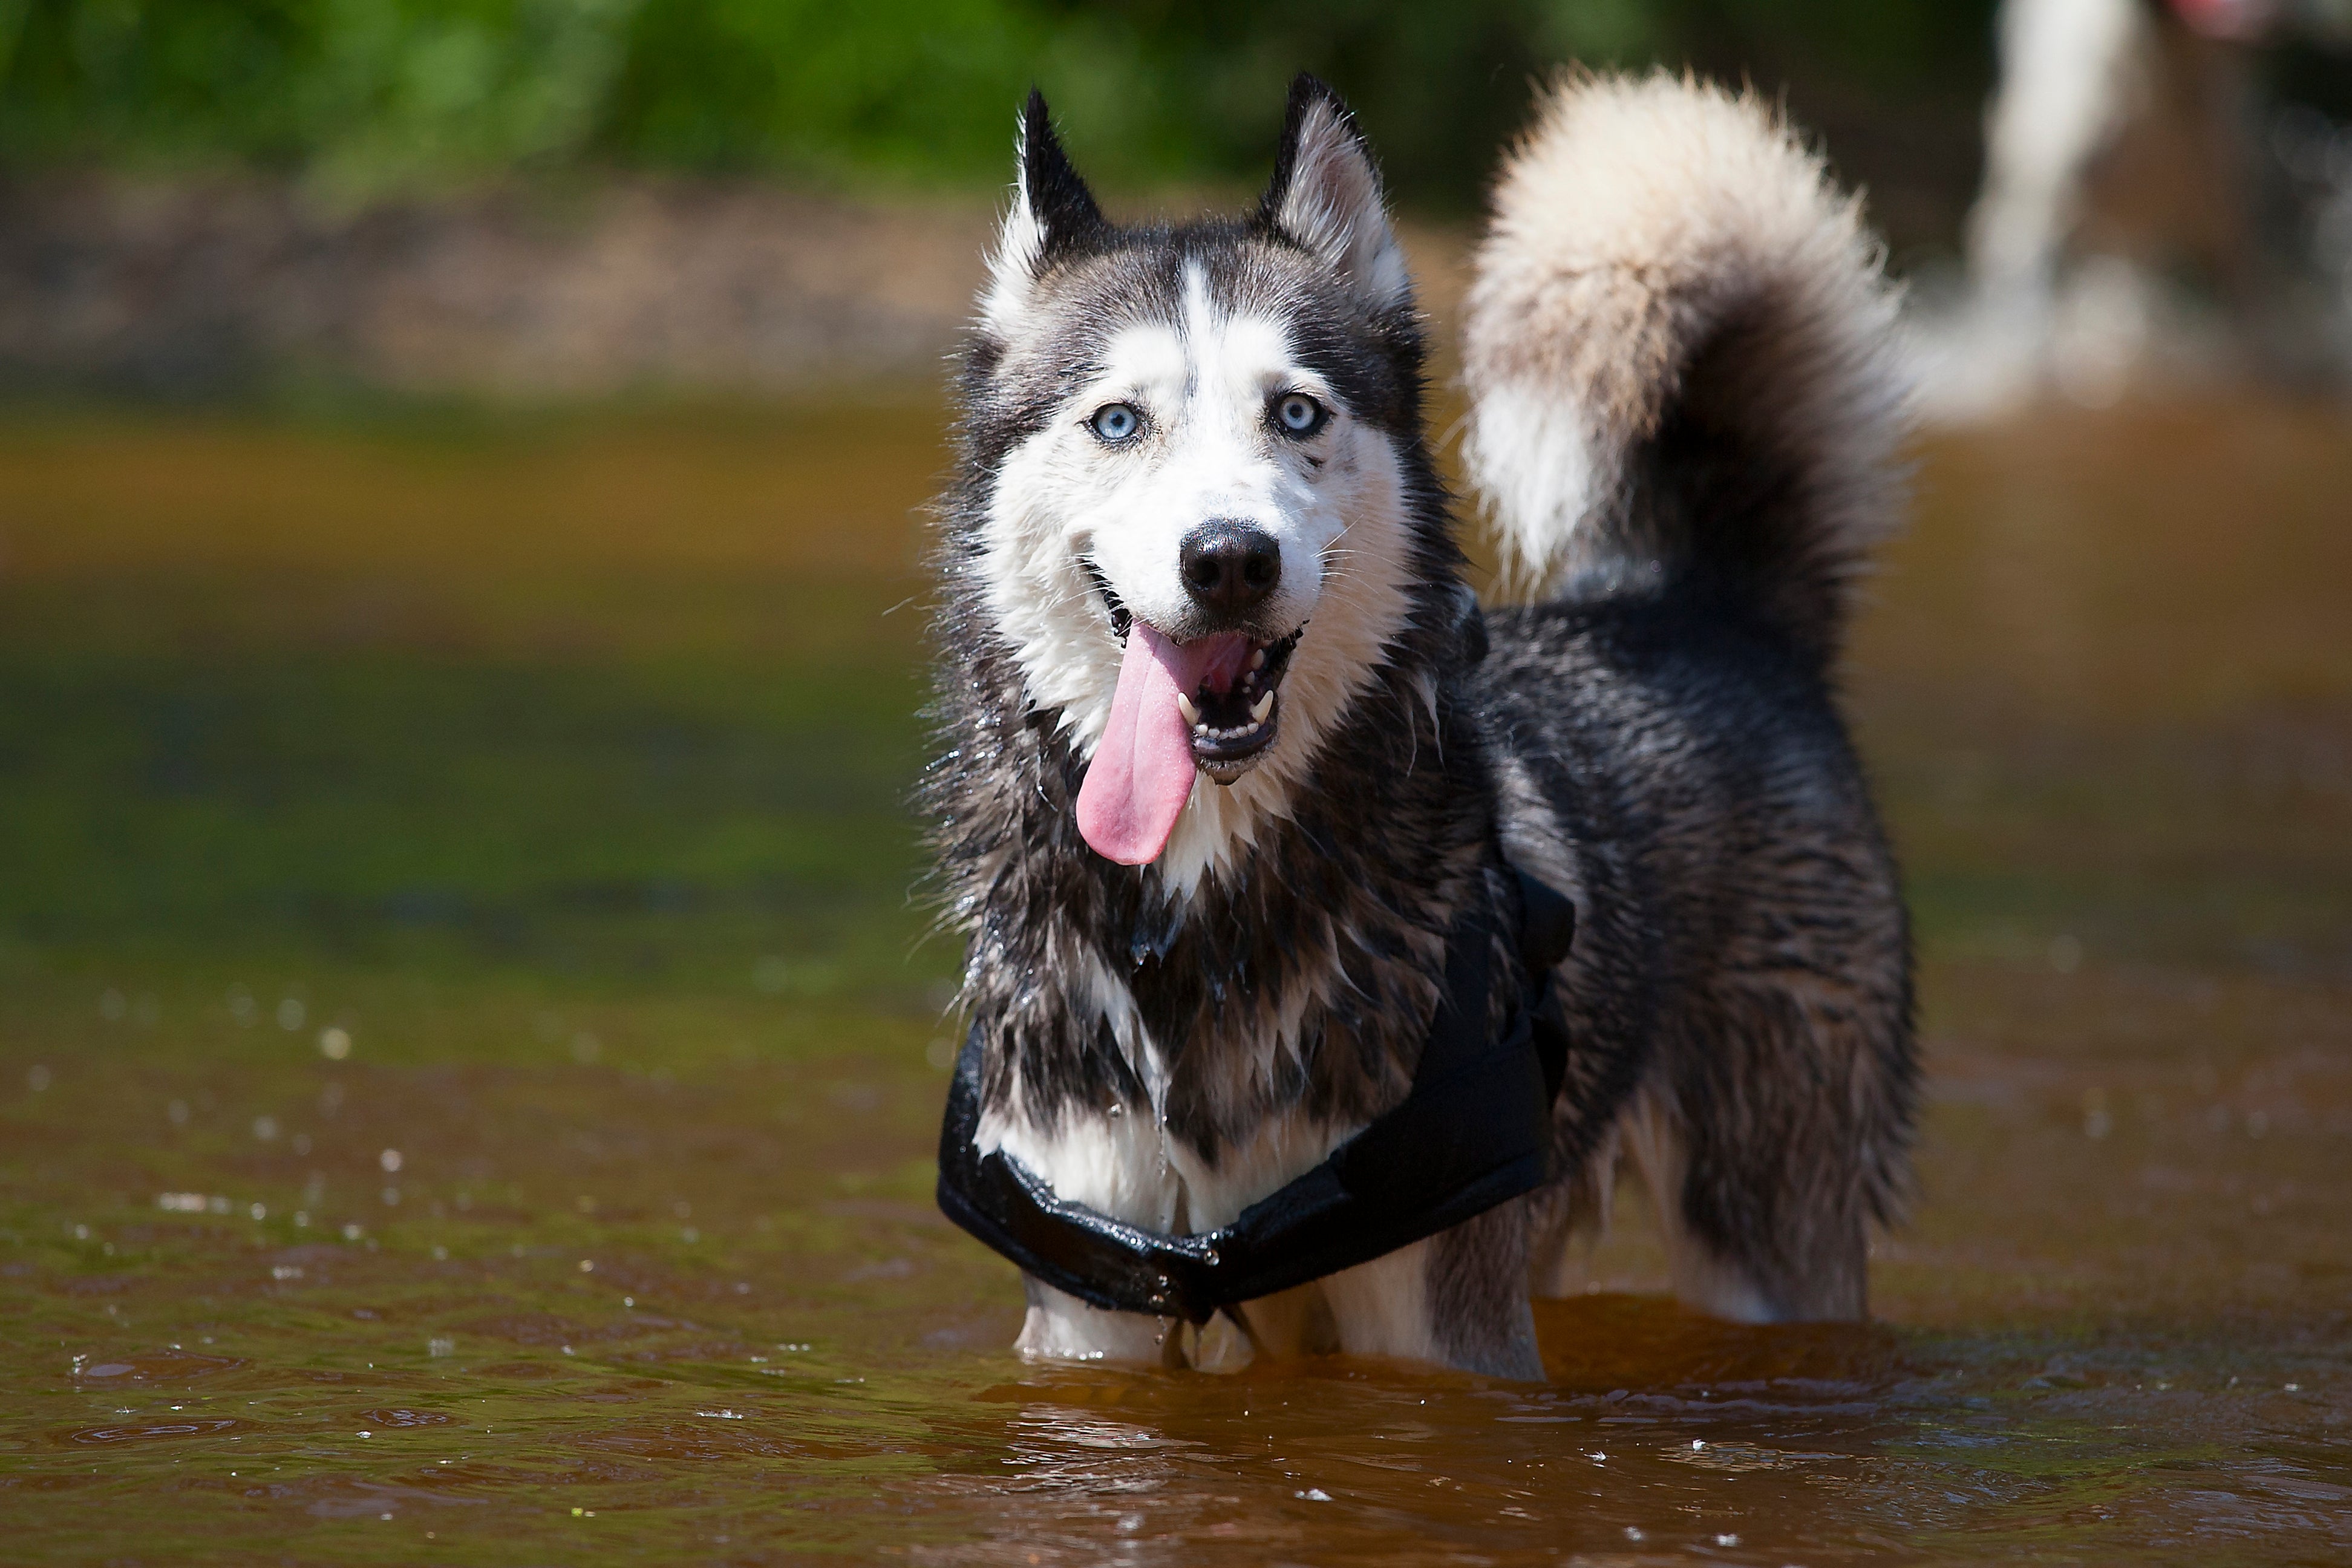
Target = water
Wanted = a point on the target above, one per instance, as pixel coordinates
(468, 1065)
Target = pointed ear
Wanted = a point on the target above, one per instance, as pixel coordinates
(1052, 213)
(1326, 195)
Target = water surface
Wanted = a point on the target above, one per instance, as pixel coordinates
(468, 1060)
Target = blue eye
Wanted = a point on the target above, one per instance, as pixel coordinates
(1116, 422)
(1299, 414)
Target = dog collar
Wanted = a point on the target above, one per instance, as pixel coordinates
(1473, 1131)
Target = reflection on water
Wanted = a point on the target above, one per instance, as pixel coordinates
(467, 1094)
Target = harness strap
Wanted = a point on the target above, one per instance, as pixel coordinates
(1473, 1132)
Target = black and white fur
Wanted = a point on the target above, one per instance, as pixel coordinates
(1683, 418)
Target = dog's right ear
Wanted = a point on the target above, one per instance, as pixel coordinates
(1052, 213)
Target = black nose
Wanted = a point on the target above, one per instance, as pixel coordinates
(1230, 567)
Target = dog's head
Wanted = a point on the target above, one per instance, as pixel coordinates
(1196, 450)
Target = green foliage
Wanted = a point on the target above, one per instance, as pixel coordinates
(365, 92)
(363, 95)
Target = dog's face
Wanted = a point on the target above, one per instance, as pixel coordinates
(1196, 532)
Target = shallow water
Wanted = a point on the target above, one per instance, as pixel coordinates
(468, 1065)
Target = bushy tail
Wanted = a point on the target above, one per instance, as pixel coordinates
(1681, 357)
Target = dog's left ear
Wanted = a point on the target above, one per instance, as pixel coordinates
(1326, 195)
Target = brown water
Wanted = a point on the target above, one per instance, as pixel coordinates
(468, 1066)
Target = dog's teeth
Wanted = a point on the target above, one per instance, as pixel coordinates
(1185, 705)
(1257, 659)
(1261, 708)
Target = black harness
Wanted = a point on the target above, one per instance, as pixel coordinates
(1473, 1131)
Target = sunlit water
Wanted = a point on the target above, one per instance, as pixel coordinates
(468, 1068)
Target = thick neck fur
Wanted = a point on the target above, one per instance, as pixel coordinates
(1296, 975)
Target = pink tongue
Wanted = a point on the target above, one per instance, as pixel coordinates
(1142, 772)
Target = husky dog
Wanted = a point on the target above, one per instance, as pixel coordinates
(1228, 747)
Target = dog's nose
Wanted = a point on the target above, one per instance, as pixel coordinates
(1230, 567)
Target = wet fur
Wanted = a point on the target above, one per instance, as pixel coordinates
(1654, 734)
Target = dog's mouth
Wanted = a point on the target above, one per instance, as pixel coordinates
(1234, 723)
(1233, 707)
(1206, 705)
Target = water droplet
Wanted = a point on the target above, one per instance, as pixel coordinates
(37, 1078)
(334, 1044)
(291, 1014)
(258, 1210)
(350, 1233)
(390, 1160)
(585, 1048)
(1633, 1533)
(440, 1345)
(2097, 1123)
(1726, 1540)
(587, 1266)
(178, 1111)
(265, 1127)
(1315, 1494)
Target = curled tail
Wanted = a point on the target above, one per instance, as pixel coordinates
(1680, 358)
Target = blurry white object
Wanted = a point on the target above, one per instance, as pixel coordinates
(2068, 72)
(2124, 139)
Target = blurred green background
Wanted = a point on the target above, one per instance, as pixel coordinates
(365, 96)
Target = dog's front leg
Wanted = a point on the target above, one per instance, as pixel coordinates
(1112, 1164)
(1457, 1300)
(1060, 1327)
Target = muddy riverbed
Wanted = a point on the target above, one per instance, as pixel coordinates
(468, 1058)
